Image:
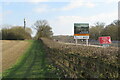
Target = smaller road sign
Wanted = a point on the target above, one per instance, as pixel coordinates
(105, 40)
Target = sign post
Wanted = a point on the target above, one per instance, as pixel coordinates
(81, 31)
(87, 42)
(76, 41)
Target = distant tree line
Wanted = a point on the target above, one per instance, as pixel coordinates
(99, 29)
(16, 33)
(19, 33)
(44, 30)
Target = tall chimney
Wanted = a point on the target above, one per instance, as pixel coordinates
(119, 10)
(24, 23)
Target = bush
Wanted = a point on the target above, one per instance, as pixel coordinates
(15, 33)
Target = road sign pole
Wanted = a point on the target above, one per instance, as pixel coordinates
(87, 42)
(76, 41)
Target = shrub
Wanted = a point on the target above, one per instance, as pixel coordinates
(15, 33)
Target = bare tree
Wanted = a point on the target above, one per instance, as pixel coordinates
(43, 29)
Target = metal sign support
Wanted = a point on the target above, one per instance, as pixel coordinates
(76, 41)
(87, 42)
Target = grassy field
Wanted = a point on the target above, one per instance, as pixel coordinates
(11, 51)
(33, 64)
(46, 58)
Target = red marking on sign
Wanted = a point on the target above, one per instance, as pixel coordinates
(105, 40)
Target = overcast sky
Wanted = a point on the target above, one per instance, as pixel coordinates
(61, 14)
